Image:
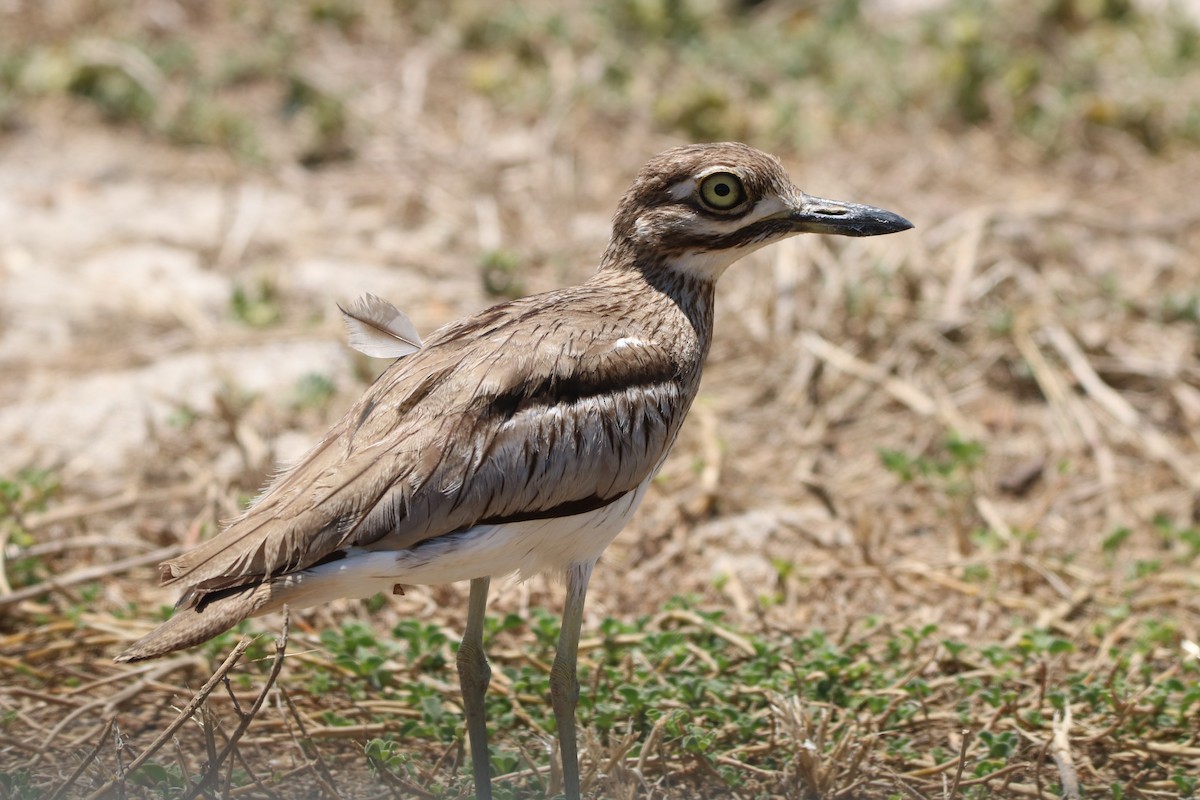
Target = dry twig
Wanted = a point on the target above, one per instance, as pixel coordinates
(1060, 749)
(280, 649)
(180, 719)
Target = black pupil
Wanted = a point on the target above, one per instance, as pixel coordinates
(723, 190)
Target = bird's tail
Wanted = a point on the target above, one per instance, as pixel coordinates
(203, 613)
(199, 622)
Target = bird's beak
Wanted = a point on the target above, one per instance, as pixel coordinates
(817, 215)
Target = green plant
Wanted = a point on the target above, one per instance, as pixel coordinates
(256, 304)
(18, 785)
(314, 390)
(384, 755)
(326, 119)
(356, 648)
(29, 491)
(1178, 537)
(500, 272)
(956, 460)
(165, 781)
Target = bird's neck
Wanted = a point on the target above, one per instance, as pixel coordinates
(679, 305)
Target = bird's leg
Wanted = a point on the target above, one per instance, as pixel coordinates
(564, 683)
(474, 674)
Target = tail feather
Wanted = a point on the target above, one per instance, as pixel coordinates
(204, 613)
(199, 622)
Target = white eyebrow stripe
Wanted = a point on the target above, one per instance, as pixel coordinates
(682, 189)
(688, 185)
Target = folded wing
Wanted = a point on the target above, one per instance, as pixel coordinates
(519, 412)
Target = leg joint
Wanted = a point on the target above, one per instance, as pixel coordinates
(564, 684)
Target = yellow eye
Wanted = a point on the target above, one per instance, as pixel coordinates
(722, 191)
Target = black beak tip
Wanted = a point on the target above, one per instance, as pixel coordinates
(847, 219)
(876, 222)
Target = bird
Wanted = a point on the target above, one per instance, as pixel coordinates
(518, 440)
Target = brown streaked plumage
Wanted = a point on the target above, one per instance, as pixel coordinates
(515, 440)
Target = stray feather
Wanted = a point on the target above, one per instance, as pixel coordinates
(379, 329)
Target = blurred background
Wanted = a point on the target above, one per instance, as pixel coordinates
(931, 529)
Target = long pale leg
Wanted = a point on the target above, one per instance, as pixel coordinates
(474, 674)
(564, 683)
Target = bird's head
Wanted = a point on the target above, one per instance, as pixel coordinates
(699, 208)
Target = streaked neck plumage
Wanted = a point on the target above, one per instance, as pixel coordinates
(680, 302)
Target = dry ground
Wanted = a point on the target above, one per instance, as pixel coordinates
(967, 454)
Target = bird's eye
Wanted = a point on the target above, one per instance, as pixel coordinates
(722, 191)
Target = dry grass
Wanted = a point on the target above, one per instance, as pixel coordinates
(943, 488)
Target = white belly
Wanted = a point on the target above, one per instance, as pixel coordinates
(525, 548)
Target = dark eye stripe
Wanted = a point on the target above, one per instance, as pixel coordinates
(756, 232)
